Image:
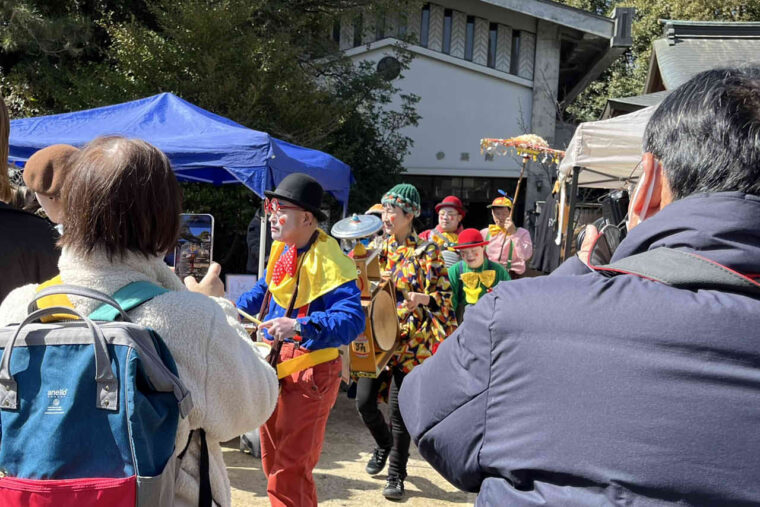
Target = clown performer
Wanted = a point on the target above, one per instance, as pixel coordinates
(508, 245)
(450, 212)
(310, 305)
(474, 275)
(423, 297)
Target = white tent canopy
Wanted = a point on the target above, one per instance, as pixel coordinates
(607, 151)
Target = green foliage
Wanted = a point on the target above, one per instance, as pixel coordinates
(233, 207)
(627, 76)
(267, 64)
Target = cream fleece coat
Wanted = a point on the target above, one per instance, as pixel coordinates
(234, 390)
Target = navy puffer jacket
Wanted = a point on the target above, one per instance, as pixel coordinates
(576, 389)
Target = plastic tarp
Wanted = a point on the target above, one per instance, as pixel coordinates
(202, 146)
(608, 151)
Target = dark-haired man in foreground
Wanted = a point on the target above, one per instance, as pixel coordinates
(586, 389)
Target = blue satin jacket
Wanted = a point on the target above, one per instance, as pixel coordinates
(334, 319)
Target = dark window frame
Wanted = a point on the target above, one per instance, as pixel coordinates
(493, 41)
(425, 26)
(380, 26)
(514, 57)
(358, 30)
(469, 38)
(448, 22)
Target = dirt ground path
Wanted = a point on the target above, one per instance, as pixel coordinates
(340, 476)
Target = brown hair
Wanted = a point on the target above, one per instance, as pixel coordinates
(120, 196)
(5, 132)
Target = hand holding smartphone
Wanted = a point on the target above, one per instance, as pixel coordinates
(194, 251)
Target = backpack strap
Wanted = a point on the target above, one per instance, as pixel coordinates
(204, 495)
(683, 270)
(129, 297)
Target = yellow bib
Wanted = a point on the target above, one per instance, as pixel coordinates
(323, 268)
(471, 284)
(472, 279)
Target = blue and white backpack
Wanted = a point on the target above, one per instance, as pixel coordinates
(89, 408)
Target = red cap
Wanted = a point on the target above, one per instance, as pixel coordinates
(469, 238)
(451, 201)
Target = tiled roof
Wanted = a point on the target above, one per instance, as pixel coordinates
(624, 105)
(681, 59)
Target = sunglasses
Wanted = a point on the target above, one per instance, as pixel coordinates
(273, 206)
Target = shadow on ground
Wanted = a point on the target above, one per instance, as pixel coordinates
(340, 476)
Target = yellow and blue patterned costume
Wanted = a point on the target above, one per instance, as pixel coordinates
(417, 266)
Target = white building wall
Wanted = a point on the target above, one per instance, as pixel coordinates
(458, 107)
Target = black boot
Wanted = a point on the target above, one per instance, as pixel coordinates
(377, 461)
(394, 487)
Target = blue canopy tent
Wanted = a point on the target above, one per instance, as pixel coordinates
(202, 146)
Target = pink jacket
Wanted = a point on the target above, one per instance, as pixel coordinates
(522, 249)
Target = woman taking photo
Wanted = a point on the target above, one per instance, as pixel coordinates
(122, 205)
(424, 310)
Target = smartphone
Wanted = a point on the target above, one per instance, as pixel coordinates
(195, 248)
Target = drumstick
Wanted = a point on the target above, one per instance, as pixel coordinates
(249, 317)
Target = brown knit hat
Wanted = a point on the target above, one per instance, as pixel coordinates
(46, 170)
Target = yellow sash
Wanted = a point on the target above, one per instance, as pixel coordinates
(323, 268)
(300, 363)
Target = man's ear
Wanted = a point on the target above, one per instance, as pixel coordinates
(646, 198)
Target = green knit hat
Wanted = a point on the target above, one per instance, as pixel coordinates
(404, 196)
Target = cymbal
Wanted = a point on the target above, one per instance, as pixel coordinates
(357, 226)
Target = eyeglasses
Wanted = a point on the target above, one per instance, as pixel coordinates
(273, 206)
(448, 213)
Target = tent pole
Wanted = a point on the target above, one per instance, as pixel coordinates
(571, 215)
(262, 240)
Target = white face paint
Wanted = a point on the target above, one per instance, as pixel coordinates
(285, 224)
(449, 219)
(395, 221)
(474, 256)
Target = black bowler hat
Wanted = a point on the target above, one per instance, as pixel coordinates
(302, 190)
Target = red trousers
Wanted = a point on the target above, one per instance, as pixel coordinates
(291, 440)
